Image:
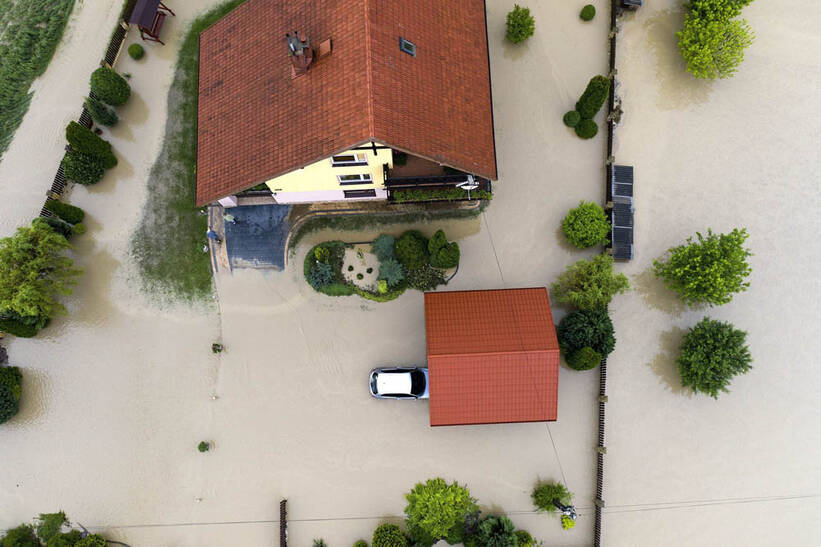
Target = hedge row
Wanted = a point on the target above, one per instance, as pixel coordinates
(69, 213)
(11, 382)
(441, 194)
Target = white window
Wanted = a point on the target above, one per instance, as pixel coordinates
(349, 159)
(354, 179)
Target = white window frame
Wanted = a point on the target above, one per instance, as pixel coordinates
(359, 159)
(364, 178)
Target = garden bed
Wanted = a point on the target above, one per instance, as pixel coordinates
(382, 269)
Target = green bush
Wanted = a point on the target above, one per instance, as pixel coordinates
(712, 41)
(544, 494)
(584, 359)
(79, 228)
(11, 387)
(22, 536)
(360, 543)
(69, 213)
(436, 509)
(320, 275)
(391, 272)
(586, 225)
(411, 250)
(322, 254)
(59, 226)
(712, 352)
(110, 87)
(596, 92)
(520, 24)
(382, 247)
(586, 129)
(83, 140)
(204, 446)
(524, 538)
(319, 543)
(425, 278)
(136, 51)
(588, 12)
(439, 194)
(497, 532)
(100, 113)
(94, 540)
(567, 522)
(443, 254)
(709, 270)
(572, 118)
(586, 328)
(589, 284)
(17, 328)
(82, 168)
(50, 524)
(338, 289)
(388, 535)
(67, 539)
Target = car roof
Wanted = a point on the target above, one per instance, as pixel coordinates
(388, 383)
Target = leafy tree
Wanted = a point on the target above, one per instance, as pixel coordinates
(709, 270)
(388, 535)
(591, 101)
(110, 87)
(391, 272)
(49, 525)
(586, 225)
(11, 388)
(712, 353)
(100, 113)
(22, 536)
(584, 359)
(382, 247)
(497, 532)
(83, 140)
(544, 494)
(520, 24)
(586, 329)
(82, 168)
(590, 284)
(436, 509)
(411, 250)
(712, 41)
(34, 271)
(66, 539)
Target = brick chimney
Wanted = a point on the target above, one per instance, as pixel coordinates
(300, 54)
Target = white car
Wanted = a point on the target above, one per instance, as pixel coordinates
(399, 383)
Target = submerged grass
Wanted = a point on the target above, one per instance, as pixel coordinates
(29, 33)
(167, 244)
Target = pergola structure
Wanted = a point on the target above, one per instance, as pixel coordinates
(149, 16)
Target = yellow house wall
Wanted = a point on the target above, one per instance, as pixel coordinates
(321, 176)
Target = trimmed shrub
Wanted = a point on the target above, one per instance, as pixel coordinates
(425, 278)
(591, 101)
(59, 226)
(320, 275)
(439, 194)
(712, 40)
(391, 271)
(83, 140)
(94, 540)
(17, 328)
(583, 359)
(100, 113)
(712, 352)
(589, 284)
(11, 387)
(586, 328)
(572, 118)
(709, 270)
(361, 543)
(586, 129)
(79, 228)
(382, 247)
(544, 494)
(524, 538)
(443, 254)
(567, 522)
(411, 250)
(388, 535)
(110, 87)
(136, 51)
(588, 12)
(381, 286)
(520, 24)
(204, 446)
(82, 168)
(586, 225)
(322, 254)
(69, 213)
(22, 536)
(497, 532)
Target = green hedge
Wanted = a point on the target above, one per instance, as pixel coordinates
(83, 140)
(82, 168)
(100, 113)
(441, 194)
(11, 387)
(110, 87)
(17, 328)
(591, 101)
(69, 213)
(58, 225)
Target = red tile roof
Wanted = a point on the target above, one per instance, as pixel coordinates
(493, 357)
(255, 122)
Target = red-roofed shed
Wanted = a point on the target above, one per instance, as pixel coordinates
(493, 357)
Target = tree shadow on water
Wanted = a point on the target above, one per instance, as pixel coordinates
(656, 295)
(664, 363)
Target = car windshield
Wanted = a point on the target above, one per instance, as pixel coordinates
(417, 382)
